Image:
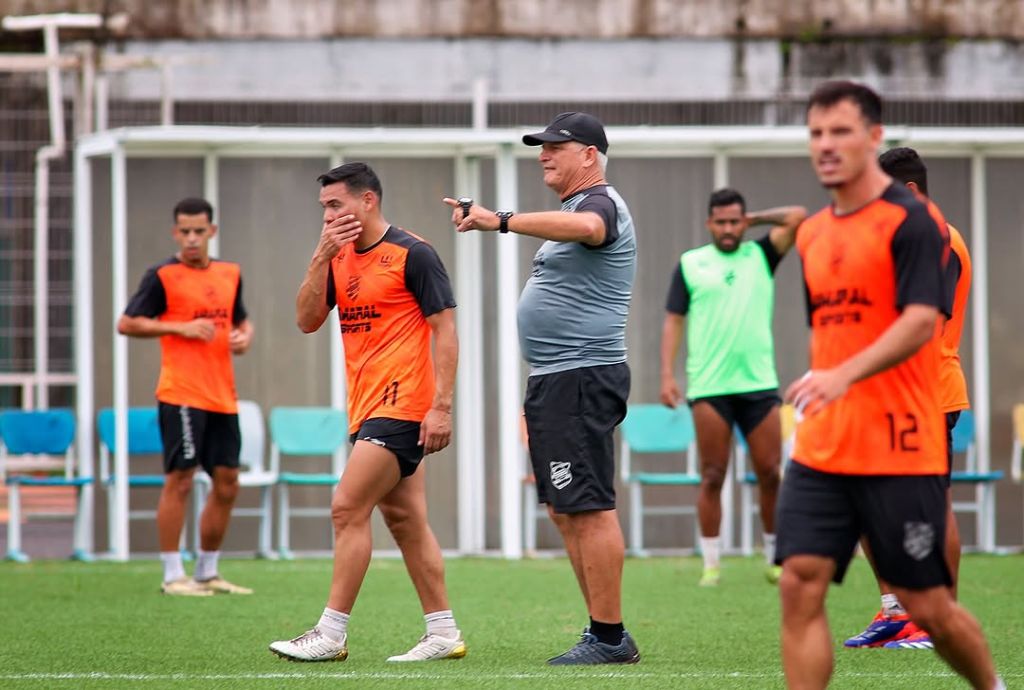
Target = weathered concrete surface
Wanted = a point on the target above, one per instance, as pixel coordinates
(432, 69)
(807, 19)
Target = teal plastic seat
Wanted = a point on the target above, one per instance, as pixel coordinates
(298, 432)
(656, 429)
(983, 505)
(40, 441)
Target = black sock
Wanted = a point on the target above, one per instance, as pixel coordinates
(608, 633)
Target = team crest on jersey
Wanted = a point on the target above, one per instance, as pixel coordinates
(561, 474)
(918, 539)
(352, 289)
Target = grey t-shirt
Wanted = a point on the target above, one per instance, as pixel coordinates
(572, 311)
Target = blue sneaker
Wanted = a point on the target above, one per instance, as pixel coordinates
(881, 630)
(590, 651)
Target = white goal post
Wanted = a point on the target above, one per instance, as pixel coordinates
(467, 148)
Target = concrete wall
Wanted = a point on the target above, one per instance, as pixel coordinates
(434, 70)
(553, 18)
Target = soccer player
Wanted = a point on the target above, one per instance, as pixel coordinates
(870, 455)
(572, 331)
(393, 297)
(193, 303)
(726, 289)
(892, 626)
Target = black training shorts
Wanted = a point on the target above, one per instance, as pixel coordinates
(399, 436)
(902, 516)
(571, 418)
(194, 437)
(745, 410)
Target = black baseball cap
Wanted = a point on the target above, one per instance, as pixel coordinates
(581, 127)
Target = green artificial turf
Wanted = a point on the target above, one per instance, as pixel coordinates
(104, 625)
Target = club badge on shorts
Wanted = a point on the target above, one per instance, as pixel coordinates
(561, 474)
(918, 539)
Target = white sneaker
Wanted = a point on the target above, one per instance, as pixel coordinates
(185, 587)
(433, 647)
(218, 585)
(311, 645)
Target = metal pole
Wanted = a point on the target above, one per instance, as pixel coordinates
(211, 192)
(119, 255)
(979, 321)
(469, 400)
(83, 314)
(339, 391)
(509, 394)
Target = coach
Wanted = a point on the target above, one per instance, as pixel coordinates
(572, 331)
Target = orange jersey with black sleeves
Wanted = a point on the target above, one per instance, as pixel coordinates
(194, 373)
(384, 294)
(860, 270)
(958, 283)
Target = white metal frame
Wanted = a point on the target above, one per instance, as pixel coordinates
(503, 145)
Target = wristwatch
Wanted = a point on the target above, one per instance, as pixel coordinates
(503, 217)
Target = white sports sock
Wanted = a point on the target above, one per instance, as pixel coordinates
(173, 567)
(1000, 685)
(769, 548)
(206, 565)
(441, 623)
(710, 547)
(333, 624)
(891, 605)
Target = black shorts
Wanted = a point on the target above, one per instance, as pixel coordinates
(746, 410)
(951, 419)
(400, 436)
(902, 516)
(194, 437)
(571, 418)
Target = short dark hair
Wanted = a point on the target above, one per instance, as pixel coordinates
(726, 197)
(193, 206)
(904, 164)
(358, 177)
(832, 92)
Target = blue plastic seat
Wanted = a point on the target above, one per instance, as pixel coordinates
(32, 439)
(143, 439)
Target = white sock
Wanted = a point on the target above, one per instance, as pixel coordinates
(1000, 685)
(441, 623)
(769, 548)
(710, 547)
(206, 565)
(891, 605)
(333, 624)
(173, 567)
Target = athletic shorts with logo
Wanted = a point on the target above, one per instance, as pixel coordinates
(902, 516)
(745, 410)
(571, 418)
(194, 437)
(399, 436)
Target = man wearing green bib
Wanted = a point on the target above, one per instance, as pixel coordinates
(726, 290)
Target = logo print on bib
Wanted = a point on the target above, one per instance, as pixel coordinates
(561, 474)
(918, 539)
(352, 289)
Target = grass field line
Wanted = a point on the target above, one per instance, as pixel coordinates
(412, 676)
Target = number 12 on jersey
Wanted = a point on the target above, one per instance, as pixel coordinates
(902, 432)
